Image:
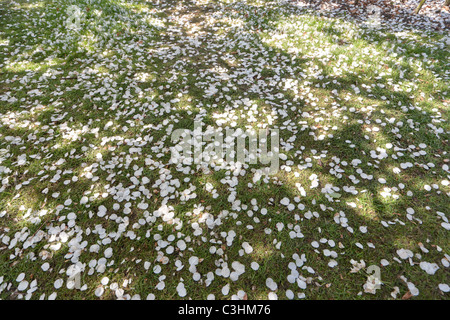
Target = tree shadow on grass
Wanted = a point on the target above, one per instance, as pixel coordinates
(367, 210)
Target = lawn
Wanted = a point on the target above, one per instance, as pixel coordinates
(92, 205)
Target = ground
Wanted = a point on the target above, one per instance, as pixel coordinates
(94, 206)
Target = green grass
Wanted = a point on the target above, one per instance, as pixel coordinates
(59, 88)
